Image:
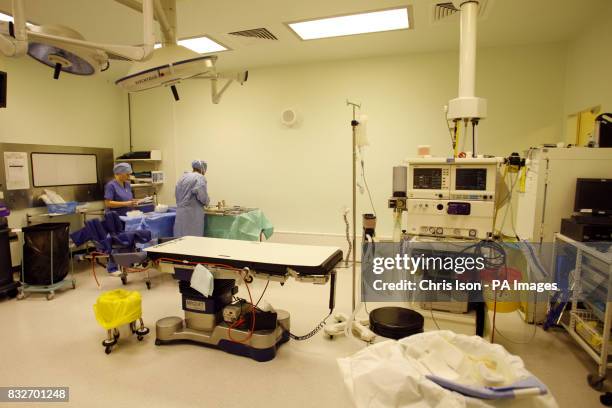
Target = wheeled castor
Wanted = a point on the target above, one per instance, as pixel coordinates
(108, 344)
(596, 381)
(148, 283)
(158, 342)
(50, 295)
(124, 280)
(73, 284)
(21, 295)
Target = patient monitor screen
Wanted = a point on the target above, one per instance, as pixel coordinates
(427, 179)
(471, 179)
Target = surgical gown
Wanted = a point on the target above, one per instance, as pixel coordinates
(191, 195)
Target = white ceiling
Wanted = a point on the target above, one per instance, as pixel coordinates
(507, 22)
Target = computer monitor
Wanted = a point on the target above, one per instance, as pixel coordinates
(593, 195)
(3, 82)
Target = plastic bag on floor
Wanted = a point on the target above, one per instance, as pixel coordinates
(392, 373)
(118, 307)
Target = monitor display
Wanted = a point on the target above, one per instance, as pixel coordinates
(594, 194)
(427, 179)
(471, 179)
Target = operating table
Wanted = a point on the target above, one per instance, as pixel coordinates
(213, 320)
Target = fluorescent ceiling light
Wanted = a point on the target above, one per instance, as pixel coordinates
(201, 45)
(371, 22)
(8, 17)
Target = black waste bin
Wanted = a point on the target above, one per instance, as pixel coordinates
(46, 254)
(6, 267)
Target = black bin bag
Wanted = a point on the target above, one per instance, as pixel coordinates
(6, 267)
(45, 244)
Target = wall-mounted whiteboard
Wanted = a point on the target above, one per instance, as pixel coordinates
(62, 169)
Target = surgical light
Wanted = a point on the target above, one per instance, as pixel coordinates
(370, 22)
(167, 66)
(62, 57)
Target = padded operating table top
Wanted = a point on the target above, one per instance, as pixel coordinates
(267, 257)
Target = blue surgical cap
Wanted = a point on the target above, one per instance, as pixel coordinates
(122, 168)
(199, 165)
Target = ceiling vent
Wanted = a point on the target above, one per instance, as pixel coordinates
(446, 11)
(262, 33)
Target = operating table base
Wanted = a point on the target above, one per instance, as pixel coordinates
(261, 346)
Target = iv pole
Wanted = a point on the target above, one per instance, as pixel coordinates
(354, 124)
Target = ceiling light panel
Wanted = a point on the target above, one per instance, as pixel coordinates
(201, 45)
(362, 23)
(9, 18)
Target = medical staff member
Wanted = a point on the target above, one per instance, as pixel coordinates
(118, 195)
(191, 195)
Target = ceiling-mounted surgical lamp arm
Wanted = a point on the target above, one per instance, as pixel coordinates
(215, 93)
(134, 53)
(13, 36)
(167, 23)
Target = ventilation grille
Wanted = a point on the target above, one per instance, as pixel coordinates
(445, 10)
(256, 33)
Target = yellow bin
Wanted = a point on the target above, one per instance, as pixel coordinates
(118, 307)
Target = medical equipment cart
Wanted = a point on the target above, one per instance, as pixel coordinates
(589, 278)
(54, 283)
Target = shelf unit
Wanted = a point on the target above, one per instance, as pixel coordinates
(590, 283)
(151, 164)
(137, 161)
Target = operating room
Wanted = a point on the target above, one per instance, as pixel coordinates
(206, 203)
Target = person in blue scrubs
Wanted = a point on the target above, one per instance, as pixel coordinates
(118, 195)
(191, 196)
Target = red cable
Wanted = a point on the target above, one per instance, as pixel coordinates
(94, 255)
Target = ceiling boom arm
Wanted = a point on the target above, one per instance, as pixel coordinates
(13, 36)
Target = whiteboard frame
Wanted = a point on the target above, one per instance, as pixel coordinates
(63, 154)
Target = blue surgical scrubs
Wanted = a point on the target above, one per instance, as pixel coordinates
(191, 195)
(114, 191)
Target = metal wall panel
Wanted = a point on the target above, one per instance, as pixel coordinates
(20, 199)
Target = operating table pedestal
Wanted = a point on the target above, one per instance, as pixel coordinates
(261, 346)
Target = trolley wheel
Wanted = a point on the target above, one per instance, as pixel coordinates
(139, 337)
(596, 381)
(331, 337)
(21, 296)
(73, 284)
(143, 331)
(249, 279)
(108, 349)
(50, 295)
(124, 280)
(148, 283)
(158, 342)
